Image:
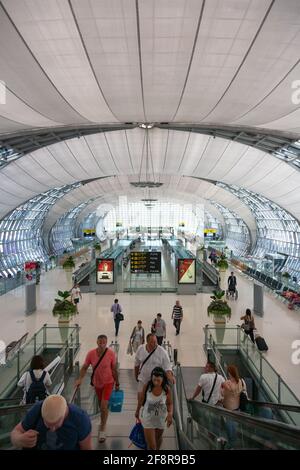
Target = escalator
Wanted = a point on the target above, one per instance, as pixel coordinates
(213, 427)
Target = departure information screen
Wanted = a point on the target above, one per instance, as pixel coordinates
(145, 262)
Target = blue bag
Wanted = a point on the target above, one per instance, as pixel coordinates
(116, 401)
(137, 436)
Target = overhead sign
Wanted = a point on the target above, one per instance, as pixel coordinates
(104, 271)
(210, 230)
(89, 232)
(145, 262)
(186, 271)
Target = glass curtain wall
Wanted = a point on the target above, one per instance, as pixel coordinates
(277, 230)
(21, 231)
(237, 233)
(64, 230)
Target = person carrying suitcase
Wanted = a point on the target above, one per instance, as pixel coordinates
(248, 325)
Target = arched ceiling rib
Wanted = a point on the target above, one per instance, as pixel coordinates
(173, 154)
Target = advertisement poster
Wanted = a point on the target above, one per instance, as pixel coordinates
(104, 271)
(30, 270)
(186, 271)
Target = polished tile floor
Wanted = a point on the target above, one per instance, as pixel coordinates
(279, 326)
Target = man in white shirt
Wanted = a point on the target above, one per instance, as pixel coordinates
(76, 295)
(210, 384)
(143, 366)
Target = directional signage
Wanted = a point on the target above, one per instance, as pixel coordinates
(145, 262)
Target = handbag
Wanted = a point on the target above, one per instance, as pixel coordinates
(243, 397)
(129, 348)
(119, 316)
(153, 327)
(137, 436)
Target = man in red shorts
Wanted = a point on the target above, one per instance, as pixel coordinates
(103, 361)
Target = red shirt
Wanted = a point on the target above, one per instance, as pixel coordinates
(103, 374)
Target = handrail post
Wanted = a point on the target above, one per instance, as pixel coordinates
(18, 366)
(44, 336)
(279, 389)
(34, 342)
(260, 370)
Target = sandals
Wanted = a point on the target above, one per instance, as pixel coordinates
(101, 437)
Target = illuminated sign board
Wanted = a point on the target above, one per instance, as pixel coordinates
(186, 271)
(104, 271)
(145, 262)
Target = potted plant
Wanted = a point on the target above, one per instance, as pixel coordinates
(286, 275)
(221, 311)
(69, 263)
(222, 263)
(63, 308)
(219, 308)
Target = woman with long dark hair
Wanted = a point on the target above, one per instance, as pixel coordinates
(248, 325)
(157, 408)
(36, 372)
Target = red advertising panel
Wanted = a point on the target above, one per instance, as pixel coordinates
(186, 271)
(30, 270)
(104, 271)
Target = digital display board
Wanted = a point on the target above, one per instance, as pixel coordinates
(186, 271)
(104, 271)
(145, 262)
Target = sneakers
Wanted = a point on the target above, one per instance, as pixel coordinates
(101, 437)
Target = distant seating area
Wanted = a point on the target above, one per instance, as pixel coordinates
(284, 293)
(14, 347)
(269, 281)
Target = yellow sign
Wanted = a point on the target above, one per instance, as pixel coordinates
(210, 230)
(89, 231)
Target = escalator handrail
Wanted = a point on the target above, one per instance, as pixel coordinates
(8, 410)
(290, 431)
(276, 406)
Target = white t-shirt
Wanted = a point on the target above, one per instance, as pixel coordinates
(25, 381)
(159, 358)
(206, 382)
(75, 292)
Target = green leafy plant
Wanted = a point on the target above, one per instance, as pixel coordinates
(97, 246)
(218, 306)
(286, 275)
(64, 307)
(69, 263)
(223, 263)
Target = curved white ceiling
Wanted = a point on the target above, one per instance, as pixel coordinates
(172, 156)
(188, 190)
(215, 61)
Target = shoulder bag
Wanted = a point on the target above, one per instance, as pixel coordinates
(94, 370)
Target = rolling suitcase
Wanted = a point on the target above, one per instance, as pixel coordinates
(261, 344)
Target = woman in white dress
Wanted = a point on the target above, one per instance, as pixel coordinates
(137, 336)
(157, 408)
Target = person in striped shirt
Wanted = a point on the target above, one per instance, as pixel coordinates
(177, 316)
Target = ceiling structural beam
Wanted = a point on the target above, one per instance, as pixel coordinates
(28, 141)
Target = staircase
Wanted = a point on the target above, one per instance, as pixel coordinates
(119, 425)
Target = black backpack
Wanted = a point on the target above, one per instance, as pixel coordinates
(37, 390)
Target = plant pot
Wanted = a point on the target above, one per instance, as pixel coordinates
(220, 324)
(63, 324)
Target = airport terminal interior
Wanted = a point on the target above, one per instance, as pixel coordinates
(150, 153)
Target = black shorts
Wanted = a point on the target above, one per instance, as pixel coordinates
(76, 301)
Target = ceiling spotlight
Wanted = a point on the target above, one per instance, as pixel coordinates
(146, 125)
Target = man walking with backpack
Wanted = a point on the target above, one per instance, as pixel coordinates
(158, 328)
(116, 310)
